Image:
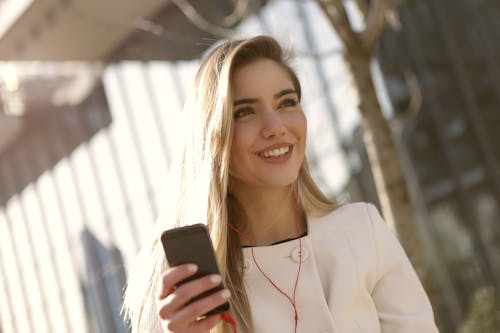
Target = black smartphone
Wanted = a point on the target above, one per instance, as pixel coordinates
(192, 245)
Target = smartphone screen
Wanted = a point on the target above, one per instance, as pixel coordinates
(192, 244)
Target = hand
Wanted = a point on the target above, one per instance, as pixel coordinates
(175, 315)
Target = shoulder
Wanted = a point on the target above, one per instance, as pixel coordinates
(355, 225)
(347, 237)
(349, 217)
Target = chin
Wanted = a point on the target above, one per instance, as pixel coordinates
(281, 181)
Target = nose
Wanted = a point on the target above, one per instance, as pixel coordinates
(273, 125)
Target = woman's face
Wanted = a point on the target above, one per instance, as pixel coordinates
(269, 127)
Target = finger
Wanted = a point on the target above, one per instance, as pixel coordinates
(207, 323)
(173, 276)
(184, 293)
(203, 325)
(195, 310)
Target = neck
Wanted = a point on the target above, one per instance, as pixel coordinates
(270, 215)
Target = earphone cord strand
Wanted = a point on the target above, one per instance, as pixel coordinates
(292, 301)
(226, 316)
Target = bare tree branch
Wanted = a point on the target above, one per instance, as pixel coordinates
(416, 96)
(393, 19)
(159, 31)
(240, 8)
(375, 22)
(363, 6)
(336, 13)
(200, 22)
(141, 24)
(319, 54)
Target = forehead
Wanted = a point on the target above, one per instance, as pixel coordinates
(259, 78)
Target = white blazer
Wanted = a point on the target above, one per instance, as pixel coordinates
(355, 278)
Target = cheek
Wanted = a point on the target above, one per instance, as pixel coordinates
(237, 151)
(300, 131)
(304, 125)
(233, 159)
(243, 137)
(300, 126)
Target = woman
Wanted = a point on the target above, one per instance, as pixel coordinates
(291, 259)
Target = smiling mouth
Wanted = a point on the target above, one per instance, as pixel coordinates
(278, 152)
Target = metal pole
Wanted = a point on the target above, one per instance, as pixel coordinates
(11, 179)
(32, 152)
(124, 94)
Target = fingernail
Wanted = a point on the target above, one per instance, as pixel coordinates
(215, 278)
(192, 268)
(225, 294)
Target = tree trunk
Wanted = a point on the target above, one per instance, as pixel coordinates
(380, 145)
(386, 168)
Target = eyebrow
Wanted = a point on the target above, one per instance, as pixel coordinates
(254, 100)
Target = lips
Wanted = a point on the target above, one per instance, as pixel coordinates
(280, 152)
(275, 152)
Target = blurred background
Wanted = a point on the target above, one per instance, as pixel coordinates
(91, 92)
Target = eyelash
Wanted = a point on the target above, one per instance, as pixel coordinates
(287, 103)
(242, 112)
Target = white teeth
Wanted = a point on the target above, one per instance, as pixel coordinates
(276, 152)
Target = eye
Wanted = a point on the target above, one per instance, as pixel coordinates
(242, 112)
(288, 103)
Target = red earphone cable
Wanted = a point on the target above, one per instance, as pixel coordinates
(226, 316)
(291, 300)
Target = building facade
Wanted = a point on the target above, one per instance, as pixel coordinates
(442, 71)
(89, 120)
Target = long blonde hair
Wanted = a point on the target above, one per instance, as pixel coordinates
(200, 183)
